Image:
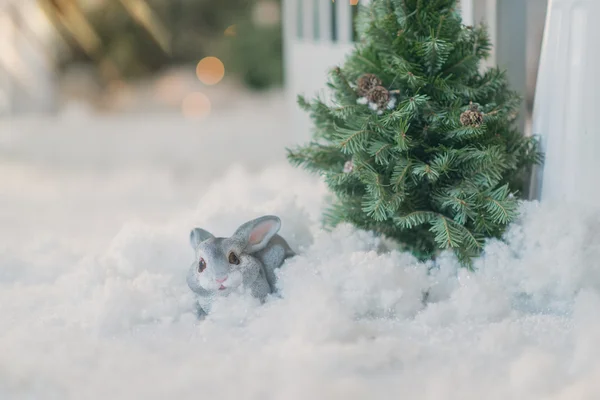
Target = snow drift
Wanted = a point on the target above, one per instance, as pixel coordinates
(115, 319)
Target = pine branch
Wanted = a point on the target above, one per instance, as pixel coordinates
(466, 132)
(447, 235)
(374, 206)
(402, 169)
(501, 209)
(423, 170)
(352, 141)
(381, 151)
(344, 93)
(414, 219)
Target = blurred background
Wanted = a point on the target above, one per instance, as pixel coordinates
(112, 110)
(115, 56)
(125, 55)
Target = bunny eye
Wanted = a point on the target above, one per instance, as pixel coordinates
(233, 259)
(201, 265)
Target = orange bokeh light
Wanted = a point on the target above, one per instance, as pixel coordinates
(196, 105)
(231, 31)
(353, 2)
(210, 70)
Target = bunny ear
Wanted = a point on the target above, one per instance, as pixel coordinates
(198, 236)
(257, 233)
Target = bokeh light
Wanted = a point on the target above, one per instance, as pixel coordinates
(231, 31)
(353, 2)
(170, 89)
(196, 105)
(266, 13)
(210, 70)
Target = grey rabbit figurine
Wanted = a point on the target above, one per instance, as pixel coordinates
(247, 259)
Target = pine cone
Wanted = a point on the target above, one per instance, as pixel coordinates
(472, 117)
(380, 96)
(366, 83)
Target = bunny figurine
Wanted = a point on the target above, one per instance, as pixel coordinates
(247, 259)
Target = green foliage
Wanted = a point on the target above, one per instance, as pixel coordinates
(255, 52)
(419, 174)
(194, 29)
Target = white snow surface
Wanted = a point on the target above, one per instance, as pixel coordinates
(94, 223)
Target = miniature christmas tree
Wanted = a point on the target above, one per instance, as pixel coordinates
(419, 144)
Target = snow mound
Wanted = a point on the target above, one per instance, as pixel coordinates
(350, 322)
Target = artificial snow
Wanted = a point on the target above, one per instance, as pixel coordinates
(94, 303)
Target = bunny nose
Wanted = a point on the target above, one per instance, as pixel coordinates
(221, 280)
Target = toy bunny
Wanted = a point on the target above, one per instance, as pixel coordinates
(248, 259)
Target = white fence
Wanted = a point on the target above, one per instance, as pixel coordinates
(317, 36)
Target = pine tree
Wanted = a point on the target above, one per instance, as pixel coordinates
(419, 143)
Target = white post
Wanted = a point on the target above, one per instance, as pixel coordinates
(566, 104)
(507, 25)
(324, 21)
(308, 13)
(344, 21)
(289, 29)
(491, 19)
(467, 11)
(511, 48)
